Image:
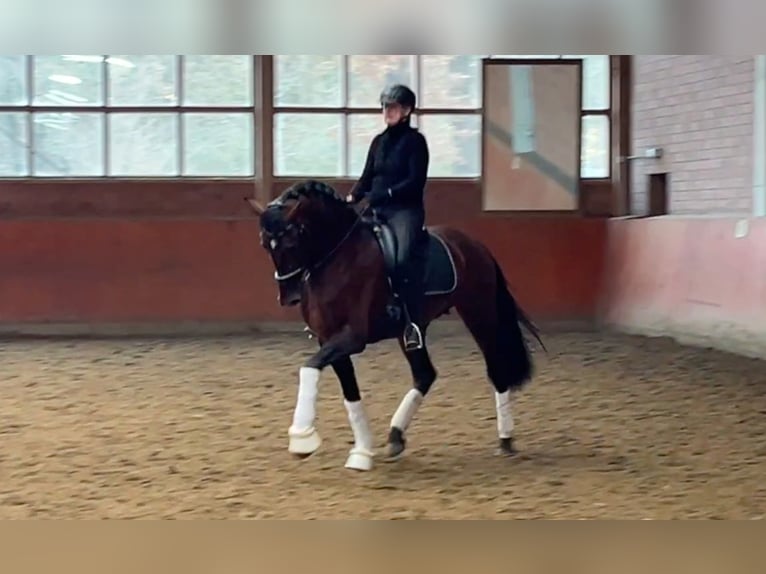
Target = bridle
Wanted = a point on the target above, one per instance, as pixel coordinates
(290, 274)
(307, 270)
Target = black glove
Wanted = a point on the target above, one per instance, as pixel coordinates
(379, 196)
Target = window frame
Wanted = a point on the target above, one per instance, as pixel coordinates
(179, 109)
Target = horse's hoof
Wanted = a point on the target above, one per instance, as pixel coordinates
(395, 451)
(396, 445)
(359, 459)
(506, 447)
(304, 443)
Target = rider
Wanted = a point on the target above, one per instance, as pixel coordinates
(393, 180)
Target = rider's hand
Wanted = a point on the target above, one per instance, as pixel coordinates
(350, 198)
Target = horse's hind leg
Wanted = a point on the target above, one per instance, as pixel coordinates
(423, 376)
(492, 337)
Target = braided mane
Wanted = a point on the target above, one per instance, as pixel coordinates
(272, 219)
(311, 189)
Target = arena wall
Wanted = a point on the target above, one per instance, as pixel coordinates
(698, 273)
(91, 253)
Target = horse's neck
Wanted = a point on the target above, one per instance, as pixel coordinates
(334, 231)
(344, 246)
(340, 279)
(340, 224)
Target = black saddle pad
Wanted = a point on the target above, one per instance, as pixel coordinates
(441, 275)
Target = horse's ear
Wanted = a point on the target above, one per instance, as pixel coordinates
(259, 209)
(291, 211)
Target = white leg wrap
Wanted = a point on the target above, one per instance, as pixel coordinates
(360, 425)
(407, 409)
(504, 416)
(305, 406)
(360, 456)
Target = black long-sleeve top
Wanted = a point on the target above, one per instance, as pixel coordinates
(397, 164)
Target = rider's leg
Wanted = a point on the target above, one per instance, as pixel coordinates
(407, 225)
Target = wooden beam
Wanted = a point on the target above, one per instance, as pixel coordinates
(264, 127)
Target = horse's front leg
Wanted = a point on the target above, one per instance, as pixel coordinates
(361, 454)
(304, 439)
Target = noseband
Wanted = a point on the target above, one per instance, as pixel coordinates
(289, 275)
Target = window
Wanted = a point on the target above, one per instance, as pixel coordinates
(194, 116)
(67, 144)
(596, 118)
(14, 138)
(126, 116)
(13, 80)
(308, 144)
(595, 157)
(327, 111)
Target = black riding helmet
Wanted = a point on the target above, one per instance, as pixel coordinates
(398, 94)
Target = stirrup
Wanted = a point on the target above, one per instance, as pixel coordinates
(413, 338)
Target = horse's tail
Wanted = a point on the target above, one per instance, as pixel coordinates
(510, 336)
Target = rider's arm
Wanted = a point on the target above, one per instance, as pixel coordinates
(417, 169)
(364, 184)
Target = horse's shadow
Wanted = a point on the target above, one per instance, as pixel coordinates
(419, 466)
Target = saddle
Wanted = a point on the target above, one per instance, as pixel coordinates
(440, 272)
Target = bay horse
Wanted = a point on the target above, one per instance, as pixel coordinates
(339, 266)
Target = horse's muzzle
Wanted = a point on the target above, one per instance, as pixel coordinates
(289, 295)
(290, 301)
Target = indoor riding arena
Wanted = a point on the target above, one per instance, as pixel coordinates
(149, 370)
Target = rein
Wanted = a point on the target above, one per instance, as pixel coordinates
(308, 271)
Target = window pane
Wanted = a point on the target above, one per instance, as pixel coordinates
(13, 80)
(308, 81)
(368, 75)
(218, 80)
(308, 144)
(68, 80)
(595, 82)
(218, 144)
(143, 145)
(361, 129)
(454, 143)
(68, 145)
(450, 81)
(595, 147)
(13, 144)
(142, 80)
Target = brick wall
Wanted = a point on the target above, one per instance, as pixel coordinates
(700, 110)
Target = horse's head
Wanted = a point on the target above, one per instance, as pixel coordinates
(296, 229)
